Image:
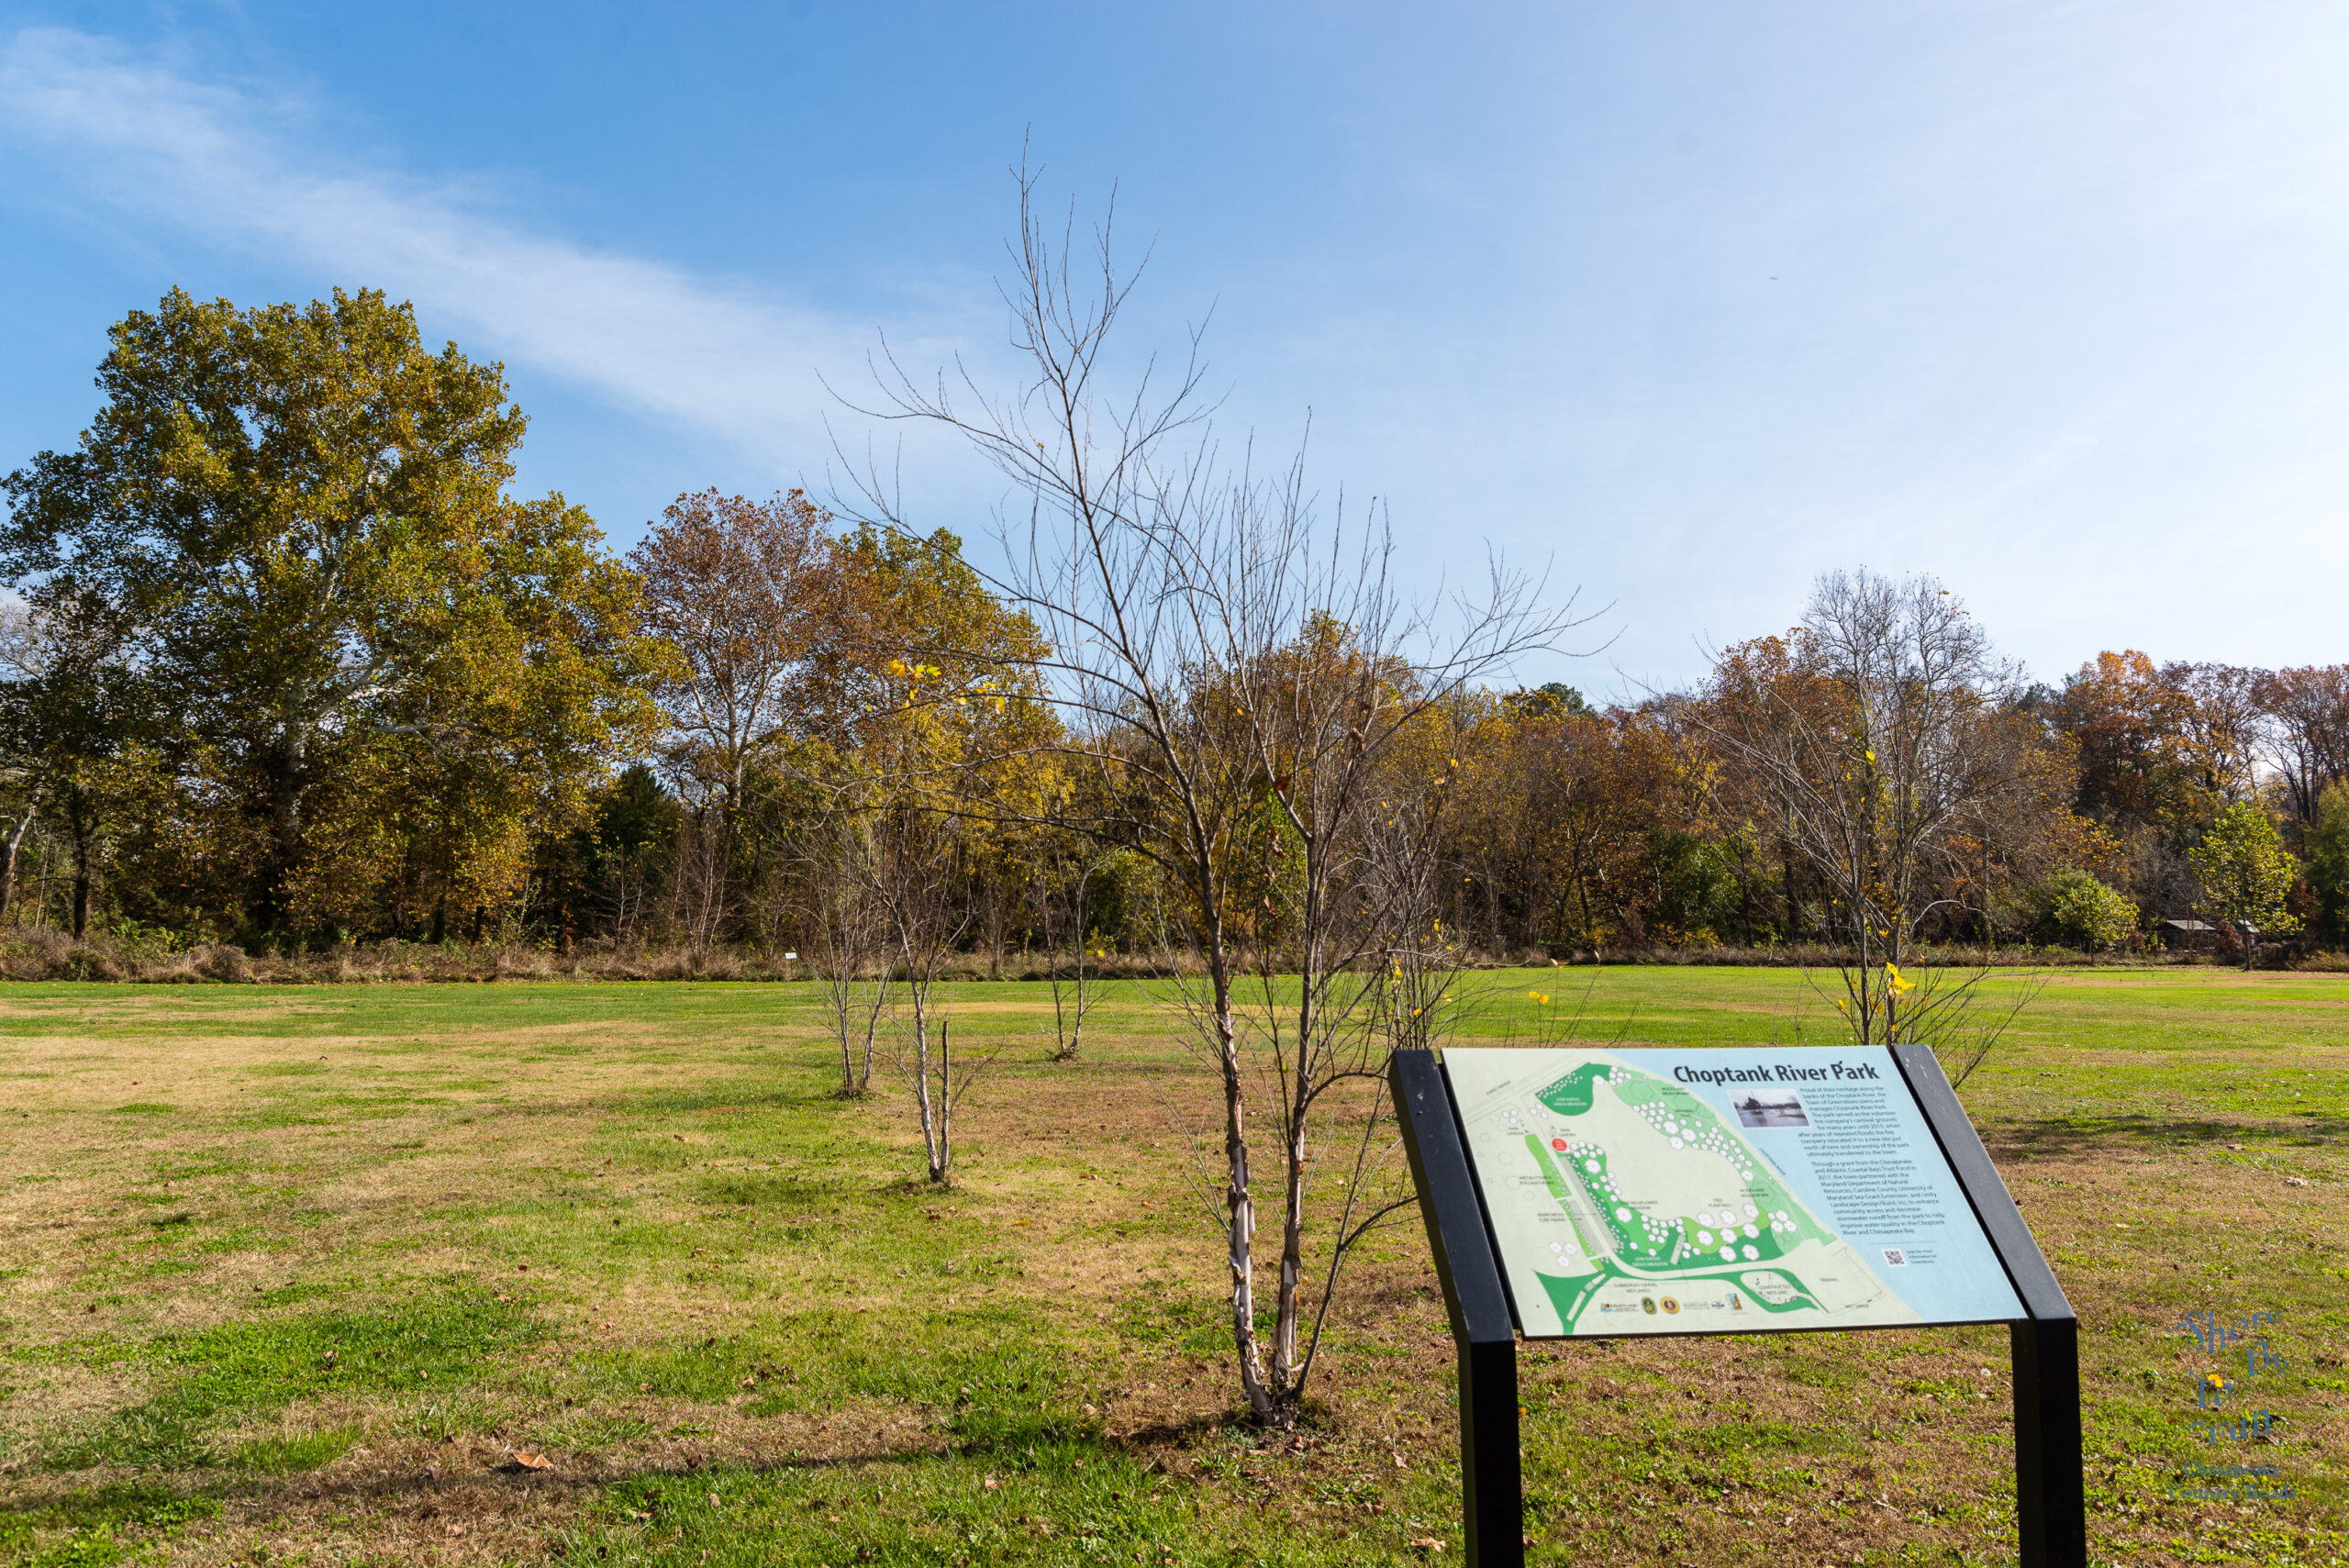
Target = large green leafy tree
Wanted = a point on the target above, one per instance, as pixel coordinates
(398, 675)
(2245, 873)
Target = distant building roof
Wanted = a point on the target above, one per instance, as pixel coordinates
(2190, 925)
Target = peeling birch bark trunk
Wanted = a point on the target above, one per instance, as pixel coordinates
(1285, 1365)
(921, 1088)
(1240, 1234)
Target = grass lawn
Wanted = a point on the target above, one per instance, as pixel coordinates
(607, 1273)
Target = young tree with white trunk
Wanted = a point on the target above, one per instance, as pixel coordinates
(1233, 664)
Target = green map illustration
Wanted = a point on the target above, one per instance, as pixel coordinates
(1624, 1204)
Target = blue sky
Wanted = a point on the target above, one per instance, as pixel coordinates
(1690, 301)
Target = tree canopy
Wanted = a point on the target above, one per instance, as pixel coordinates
(385, 676)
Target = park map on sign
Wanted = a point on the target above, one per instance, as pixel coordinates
(1637, 1207)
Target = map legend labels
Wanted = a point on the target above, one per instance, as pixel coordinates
(1649, 1191)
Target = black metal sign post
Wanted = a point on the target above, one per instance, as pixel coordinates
(2050, 1497)
(1482, 1324)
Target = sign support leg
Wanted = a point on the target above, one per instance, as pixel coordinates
(2051, 1502)
(1492, 1508)
(1491, 1485)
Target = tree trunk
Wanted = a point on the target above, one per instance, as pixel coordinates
(1308, 1022)
(81, 879)
(921, 1089)
(8, 851)
(285, 832)
(1239, 1234)
(848, 1056)
(1284, 1359)
(942, 1166)
(872, 1027)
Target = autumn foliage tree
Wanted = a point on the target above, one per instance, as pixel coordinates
(2307, 710)
(297, 519)
(748, 594)
(1558, 814)
(1878, 738)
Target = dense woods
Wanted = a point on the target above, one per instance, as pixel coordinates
(290, 667)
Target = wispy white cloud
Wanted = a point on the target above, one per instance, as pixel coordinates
(229, 168)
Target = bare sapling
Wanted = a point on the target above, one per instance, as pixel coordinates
(854, 956)
(912, 875)
(941, 1079)
(1064, 883)
(1233, 665)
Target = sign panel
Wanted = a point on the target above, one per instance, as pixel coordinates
(1664, 1191)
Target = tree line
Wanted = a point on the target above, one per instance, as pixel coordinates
(290, 665)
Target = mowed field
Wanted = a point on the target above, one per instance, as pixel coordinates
(610, 1275)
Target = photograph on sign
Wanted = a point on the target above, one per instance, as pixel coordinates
(1659, 1190)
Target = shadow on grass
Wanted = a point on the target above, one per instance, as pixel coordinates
(1026, 1441)
(2049, 1136)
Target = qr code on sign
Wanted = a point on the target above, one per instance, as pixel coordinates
(1895, 1257)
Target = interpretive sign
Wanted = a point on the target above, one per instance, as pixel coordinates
(1694, 1192)
(1606, 1192)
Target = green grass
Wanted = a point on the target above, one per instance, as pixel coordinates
(257, 1369)
(307, 1267)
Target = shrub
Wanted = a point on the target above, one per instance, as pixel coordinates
(2083, 911)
